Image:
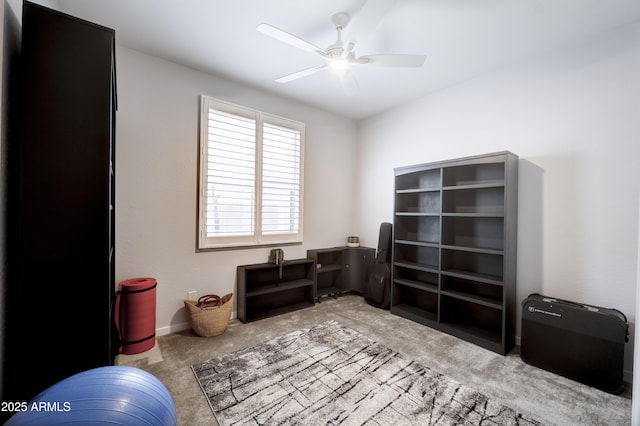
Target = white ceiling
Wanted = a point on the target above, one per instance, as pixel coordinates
(461, 38)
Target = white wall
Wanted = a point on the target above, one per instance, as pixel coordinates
(156, 172)
(573, 120)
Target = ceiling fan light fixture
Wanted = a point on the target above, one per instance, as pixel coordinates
(339, 64)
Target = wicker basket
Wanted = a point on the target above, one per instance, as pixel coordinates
(207, 321)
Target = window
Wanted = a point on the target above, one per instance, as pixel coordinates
(250, 177)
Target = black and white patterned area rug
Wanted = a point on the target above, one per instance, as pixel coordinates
(330, 374)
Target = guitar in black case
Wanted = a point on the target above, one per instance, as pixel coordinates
(377, 285)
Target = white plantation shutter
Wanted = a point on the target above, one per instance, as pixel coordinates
(250, 185)
(231, 171)
(280, 180)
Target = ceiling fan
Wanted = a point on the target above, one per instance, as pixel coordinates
(340, 56)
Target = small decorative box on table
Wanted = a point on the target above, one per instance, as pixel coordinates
(263, 292)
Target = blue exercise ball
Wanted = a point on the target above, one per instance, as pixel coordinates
(114, 395)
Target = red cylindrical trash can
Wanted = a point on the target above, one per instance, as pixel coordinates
(135, 315)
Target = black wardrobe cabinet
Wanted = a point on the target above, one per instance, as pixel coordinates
(60, 230)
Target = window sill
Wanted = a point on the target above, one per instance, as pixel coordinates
(246, 247)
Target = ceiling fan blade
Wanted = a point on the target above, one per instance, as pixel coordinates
(302, 73)
(349, 83)
(393, 60)
(290, 39)
(367, 19)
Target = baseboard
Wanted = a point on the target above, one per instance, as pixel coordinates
(174, 328)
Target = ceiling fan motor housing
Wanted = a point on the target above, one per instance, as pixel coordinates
(340, 20)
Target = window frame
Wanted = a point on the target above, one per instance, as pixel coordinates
(212, 243)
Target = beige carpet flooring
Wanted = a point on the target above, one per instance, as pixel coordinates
(552, 398)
